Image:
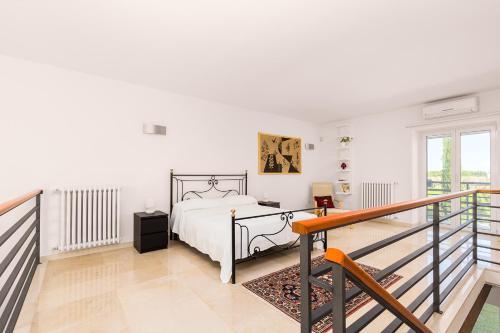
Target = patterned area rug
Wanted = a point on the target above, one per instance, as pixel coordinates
(282, 289)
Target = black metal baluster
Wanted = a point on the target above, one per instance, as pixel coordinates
(37, 232)
(171, 202)
(305, 284)
(338, 315)
(246, 182)
(435, 258)
(233, 262)
(325, 242)
(474, 227)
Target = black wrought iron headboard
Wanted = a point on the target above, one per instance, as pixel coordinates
(209, 184)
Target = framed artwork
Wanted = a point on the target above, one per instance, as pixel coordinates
(279, 154)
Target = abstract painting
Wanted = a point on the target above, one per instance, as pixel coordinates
(279, 154)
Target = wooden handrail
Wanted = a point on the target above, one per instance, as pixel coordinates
(340, 258)
(11, 204)
(488, 191)
(305, 227)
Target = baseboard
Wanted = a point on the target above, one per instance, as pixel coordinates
(77, 253)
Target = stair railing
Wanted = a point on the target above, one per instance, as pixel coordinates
(343, 266)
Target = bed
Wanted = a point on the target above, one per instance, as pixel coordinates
(214, 214)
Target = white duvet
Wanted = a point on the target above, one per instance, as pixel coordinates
(206, 225)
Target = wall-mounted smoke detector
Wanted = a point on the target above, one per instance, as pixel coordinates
(450, 108)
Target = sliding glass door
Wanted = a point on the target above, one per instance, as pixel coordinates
(456, 160)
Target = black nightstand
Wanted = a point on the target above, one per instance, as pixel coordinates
(274, 204)
(150, 231)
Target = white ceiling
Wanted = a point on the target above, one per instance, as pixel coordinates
(313, 60)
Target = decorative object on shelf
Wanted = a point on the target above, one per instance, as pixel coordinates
(344, 165)
(345, 188)
(345, 141)
(279, 154)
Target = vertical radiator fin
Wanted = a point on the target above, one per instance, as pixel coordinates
(375, 194)
(89, 217)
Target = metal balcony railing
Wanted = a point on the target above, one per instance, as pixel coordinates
(19, 272)
(440, 187)
(343, 266)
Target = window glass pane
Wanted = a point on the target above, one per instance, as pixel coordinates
(475, 173)
(439, 172)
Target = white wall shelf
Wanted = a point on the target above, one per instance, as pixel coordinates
(343, 181)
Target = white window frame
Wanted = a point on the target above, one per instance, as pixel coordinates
(455, 128)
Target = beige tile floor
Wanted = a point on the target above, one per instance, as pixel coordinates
(178, 289)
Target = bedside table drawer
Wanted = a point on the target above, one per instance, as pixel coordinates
(154, 241)
(150, 226)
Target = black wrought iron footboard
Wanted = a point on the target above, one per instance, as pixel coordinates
(246, 242)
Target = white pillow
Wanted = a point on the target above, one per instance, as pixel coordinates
(239, 200)
(193, 204)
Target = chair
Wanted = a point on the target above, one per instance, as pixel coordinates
(321, 189)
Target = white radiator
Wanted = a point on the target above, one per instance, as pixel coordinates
(90, 217)
(374, 194)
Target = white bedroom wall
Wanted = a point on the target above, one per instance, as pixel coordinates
(383, 152)
(383, 144)
(60, 128)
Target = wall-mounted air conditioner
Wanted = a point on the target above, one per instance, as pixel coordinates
(450, 108)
